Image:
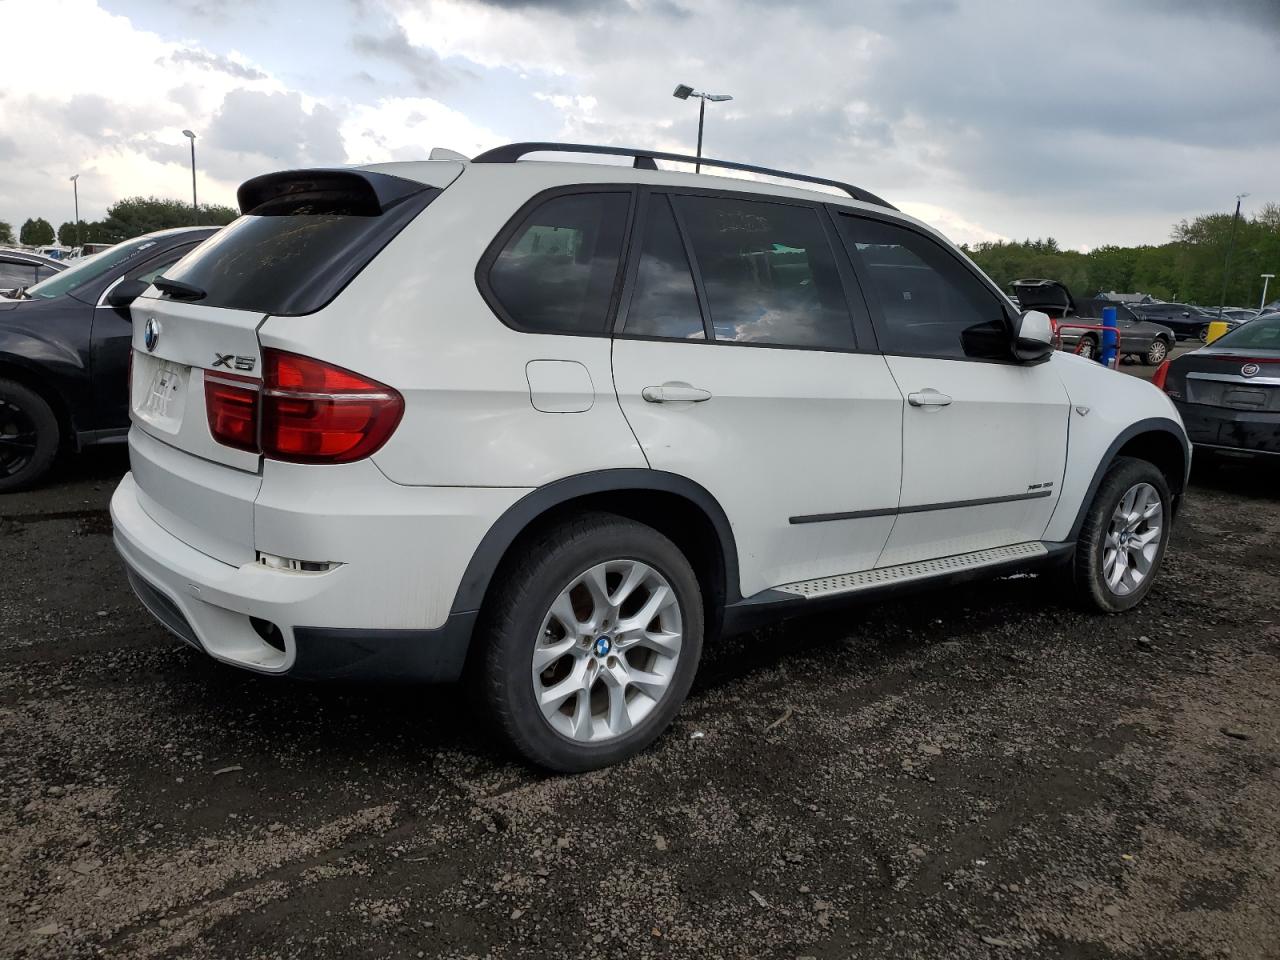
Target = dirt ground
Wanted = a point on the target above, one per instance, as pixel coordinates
(982, 772)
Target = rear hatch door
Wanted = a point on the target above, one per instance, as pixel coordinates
(1047, 296)
(306, 235)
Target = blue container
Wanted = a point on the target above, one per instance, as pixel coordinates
(1110, 337)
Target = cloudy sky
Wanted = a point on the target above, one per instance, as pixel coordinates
(1094, 121)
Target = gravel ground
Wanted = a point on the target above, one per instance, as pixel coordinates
(981, 772)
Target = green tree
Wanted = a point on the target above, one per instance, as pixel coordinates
(36, 233)
(134, 216)
(68, 236)
(6, 232)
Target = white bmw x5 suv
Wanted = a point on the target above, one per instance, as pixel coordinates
(558, 424)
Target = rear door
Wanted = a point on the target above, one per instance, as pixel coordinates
(742, 360)
(984, 438)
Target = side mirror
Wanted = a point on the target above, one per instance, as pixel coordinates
(125, 292)
(1034, 342)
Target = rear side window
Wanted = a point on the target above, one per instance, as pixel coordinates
(930, 304)
(305, 237)
(768, 272)
(665, 303)
(17, 274)
(556, 273)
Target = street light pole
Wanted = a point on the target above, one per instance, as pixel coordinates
(195, 207)
(75, 189)
(683, 92)
(1266, 279)
(1226, 267)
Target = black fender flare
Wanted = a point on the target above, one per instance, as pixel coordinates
(517, 518)
(1148, 425)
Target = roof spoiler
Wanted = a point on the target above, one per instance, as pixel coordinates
(353, 192)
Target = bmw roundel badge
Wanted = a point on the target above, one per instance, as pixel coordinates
(151, 334)
(603, 645)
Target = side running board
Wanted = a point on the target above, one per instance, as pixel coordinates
(907, 572)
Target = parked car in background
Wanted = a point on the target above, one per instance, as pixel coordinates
(1186, 321)
(1228, 392)
(1144, 341)
(563, 422)
(64, 353)
(1238, 314)
(19, 269)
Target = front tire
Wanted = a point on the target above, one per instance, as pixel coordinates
(591, 642)
(29, 437)
(1124, 535)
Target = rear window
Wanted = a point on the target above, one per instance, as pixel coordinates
(1260, 334)
(303, 240)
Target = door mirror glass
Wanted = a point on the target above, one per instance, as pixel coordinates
(1035, 337)
(125, 292)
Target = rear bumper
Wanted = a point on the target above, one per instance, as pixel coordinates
(213, 606)
(1231, 431)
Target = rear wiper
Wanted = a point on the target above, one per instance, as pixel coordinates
(178, 290)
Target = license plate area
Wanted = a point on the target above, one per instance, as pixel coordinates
(1244, 398)
(160, 392)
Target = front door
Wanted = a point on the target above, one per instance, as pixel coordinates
(984, 438)
(745, 374)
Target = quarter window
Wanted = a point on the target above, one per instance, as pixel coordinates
(768, 273)
(665, 303)
(932, 306)
(556, 273)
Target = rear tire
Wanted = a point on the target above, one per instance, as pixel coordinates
(1124, 536)
(1087, 347)
(29, 437)
(1158, 352)
(1202, 334)
(606, 685)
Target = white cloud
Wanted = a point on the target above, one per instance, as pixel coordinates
(406, 128)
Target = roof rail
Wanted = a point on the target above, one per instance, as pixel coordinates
(644, 160)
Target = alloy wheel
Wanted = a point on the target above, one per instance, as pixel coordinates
(1159, 350)
(1133, 539)
(1085, 348)
(17, 438)
(607, 651)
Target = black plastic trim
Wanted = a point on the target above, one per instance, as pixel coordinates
(644, 160)
(1148, 425)
(418, 656)
(162, 608)
(485, 560)
(919, 508)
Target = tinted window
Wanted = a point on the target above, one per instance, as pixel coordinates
(768, 272)
(665, 303)
(556, 272)
(293, 254)
(1260, 334)
(17, 275)
(932, 305)
(92, 268)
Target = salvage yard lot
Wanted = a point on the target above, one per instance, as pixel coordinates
(979, 772)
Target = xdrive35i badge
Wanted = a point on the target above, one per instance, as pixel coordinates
(151, 334)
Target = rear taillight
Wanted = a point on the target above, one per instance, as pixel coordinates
(303, 411)
(315, 412)
(231, 403)
(1161, 375)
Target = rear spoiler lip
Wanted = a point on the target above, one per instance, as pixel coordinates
(380, 190)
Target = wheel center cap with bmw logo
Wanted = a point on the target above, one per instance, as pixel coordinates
(151, 334)
(603, 645)
(1250, 370)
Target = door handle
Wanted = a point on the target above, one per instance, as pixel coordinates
(928, 397)
(675, 392)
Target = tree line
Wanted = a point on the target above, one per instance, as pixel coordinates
(1187, 269)
(125, 219)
